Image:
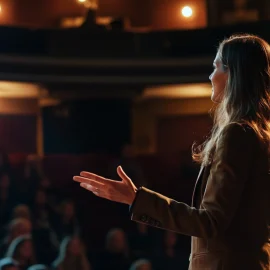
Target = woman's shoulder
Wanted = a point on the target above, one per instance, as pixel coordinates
(239, 134)
(240, 130)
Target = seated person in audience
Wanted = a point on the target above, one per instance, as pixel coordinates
(44, 237)
(21, 211)
(22, 251)
(8, 264)
(43, 213)
(6, 199)
(116, 255)
(140, 241)
(66, 223)
(33, 178)
(71, 255)
(141, 264)
(168, 256)
(17, 227)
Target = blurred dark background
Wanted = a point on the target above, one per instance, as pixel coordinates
(89, 85)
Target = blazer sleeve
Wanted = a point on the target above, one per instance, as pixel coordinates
(228, 175)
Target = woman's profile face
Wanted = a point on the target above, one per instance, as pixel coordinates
(218, 79)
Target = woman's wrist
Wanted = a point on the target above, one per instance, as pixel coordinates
(134, 193)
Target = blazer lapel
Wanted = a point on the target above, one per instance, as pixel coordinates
(196, 189)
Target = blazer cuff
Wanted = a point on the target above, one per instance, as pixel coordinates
(142, 207)
(133, 203)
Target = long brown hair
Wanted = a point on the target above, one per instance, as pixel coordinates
(246, 97)
(66, 260)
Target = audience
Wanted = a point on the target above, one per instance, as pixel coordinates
(8, 264)
(21, 211)
(66, 223)
(37, 233)
(22, 251)
(141, 265)
(168, 256)
(71, 255)
(17, 228)
(7, 200)
(116, 254)
(141, 242)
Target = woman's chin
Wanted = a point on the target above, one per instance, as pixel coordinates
(214, 99)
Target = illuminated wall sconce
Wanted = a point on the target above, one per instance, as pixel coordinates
(91, 4)
(187, 12)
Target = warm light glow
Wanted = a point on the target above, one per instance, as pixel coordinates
(71, 22)
(0, 8)
(187, 11)
(18, 90)
(193, 90)
(91, 4)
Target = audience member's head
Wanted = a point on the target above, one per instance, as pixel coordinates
(70, 246)
(67, 210)
(141, 264)
(19, 227)
(116, 241)
(71, 254)
(8, 264)
(21, 211)
(40, 197)
(21, 249)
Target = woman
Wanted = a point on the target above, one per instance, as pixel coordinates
(116, 254)
(22, 251)
(16, 228)
(229, 219)
(71, 255)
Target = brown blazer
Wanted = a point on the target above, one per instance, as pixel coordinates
(229, 219)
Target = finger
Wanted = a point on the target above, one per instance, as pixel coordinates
(123, 175)
(97, 192)
(88, 181)
(89, 187)
(92, 176)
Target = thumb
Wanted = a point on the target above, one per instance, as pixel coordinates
(123, 175)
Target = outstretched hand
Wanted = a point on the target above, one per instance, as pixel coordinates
(119, 191)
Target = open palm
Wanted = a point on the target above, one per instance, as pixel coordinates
(119, 191)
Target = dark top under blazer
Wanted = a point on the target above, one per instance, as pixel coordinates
(229, 219)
